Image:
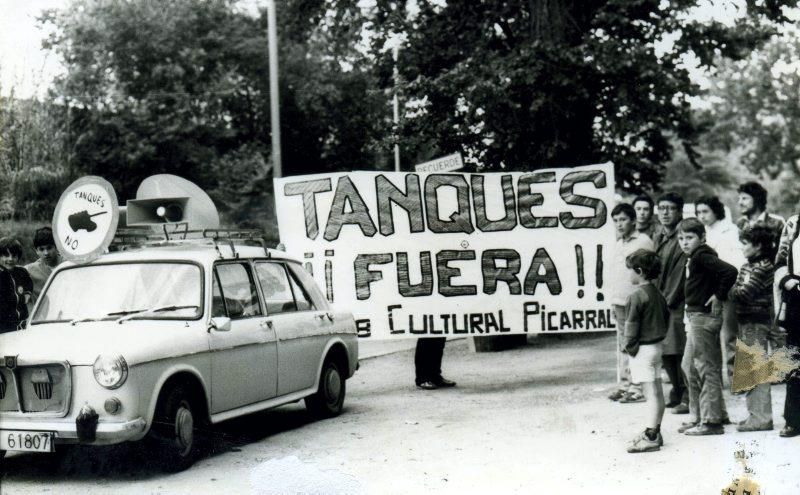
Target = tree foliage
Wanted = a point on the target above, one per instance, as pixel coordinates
(522, 85)
(34, 157)
(756, 107)
(182, 87)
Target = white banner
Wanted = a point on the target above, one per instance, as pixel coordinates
(416, 255)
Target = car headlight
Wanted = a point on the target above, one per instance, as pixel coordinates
(110, 371)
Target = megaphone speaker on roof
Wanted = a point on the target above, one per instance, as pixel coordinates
(168, 199)
(156, 211)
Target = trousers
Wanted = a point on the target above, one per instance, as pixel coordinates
(702, 364)
(428, 359)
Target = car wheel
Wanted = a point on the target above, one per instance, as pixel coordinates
(328, 400)
(173, 430)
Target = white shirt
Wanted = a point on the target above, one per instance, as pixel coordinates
(621, 285)
(723, 237)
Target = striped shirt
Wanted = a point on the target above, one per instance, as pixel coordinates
(752, 292)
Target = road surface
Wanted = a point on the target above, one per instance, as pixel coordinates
(529, 420)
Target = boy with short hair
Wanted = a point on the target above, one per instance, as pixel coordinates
(18, 282)
(752, 295)
(629, 240)
(40, 270)
(708, 280)
(645, 329)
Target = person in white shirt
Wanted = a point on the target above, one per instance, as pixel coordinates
(629, 240)
(723, 237)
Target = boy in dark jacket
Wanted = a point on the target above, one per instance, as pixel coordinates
(752, 295)
(15, 286)
(708, 280)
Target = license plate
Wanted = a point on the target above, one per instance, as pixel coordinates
(27, 441)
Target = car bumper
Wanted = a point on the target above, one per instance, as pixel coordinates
(106, 433)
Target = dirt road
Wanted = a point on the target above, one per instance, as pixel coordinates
(529, 420)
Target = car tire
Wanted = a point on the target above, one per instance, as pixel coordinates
(173, 430)
(328, 400)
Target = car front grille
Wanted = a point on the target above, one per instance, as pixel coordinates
(44, 391)
(41, 388)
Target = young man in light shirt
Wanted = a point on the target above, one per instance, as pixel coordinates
(645, 215)
(629, 241)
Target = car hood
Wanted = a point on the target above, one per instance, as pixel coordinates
(137, 341)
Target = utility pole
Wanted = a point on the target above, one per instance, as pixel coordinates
(274, 100)
(396, 109)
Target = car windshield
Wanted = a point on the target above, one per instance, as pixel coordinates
(131, 290)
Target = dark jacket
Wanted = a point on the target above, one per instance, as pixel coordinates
(707, 276)
(673, 266)
(647, 317)
(9, 317)
(752, 292)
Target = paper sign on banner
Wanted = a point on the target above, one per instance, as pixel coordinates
(444, 164)
(416, 254)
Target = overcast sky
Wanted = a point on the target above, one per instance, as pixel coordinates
(29, 69)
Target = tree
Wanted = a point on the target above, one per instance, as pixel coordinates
(755, 107)
(522, 85)
(182, 87)
(33, 157)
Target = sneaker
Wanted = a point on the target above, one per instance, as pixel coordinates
(681, 409)
(672, 403)
(427, 385)
(616, 395)
(631, 397)
(687, 425)
(746, 426)
(705, 429)
(643, 444)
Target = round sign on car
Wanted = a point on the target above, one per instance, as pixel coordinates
(85, 220)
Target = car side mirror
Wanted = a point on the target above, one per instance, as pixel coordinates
(220, 324)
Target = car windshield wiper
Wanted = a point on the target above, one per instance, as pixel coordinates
(133, 314)
(88, 318)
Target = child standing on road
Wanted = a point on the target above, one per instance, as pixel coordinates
(708, 280)
(645, 329)
(752, 295)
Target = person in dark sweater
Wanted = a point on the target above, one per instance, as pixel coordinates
(708, 280)
(645, 329)
(752, 295)
(670, 283)
(15, 286)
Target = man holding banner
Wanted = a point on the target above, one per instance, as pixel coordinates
(428, 364)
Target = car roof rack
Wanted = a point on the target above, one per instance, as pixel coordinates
(126, 239)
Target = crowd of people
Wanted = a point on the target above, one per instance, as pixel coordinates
(20, 285)
(684, 291)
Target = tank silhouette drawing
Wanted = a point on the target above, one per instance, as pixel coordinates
(83, 220)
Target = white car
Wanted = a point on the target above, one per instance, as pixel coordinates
(151, 343)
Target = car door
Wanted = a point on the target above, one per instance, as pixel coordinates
(243, 359)
(300, 328)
